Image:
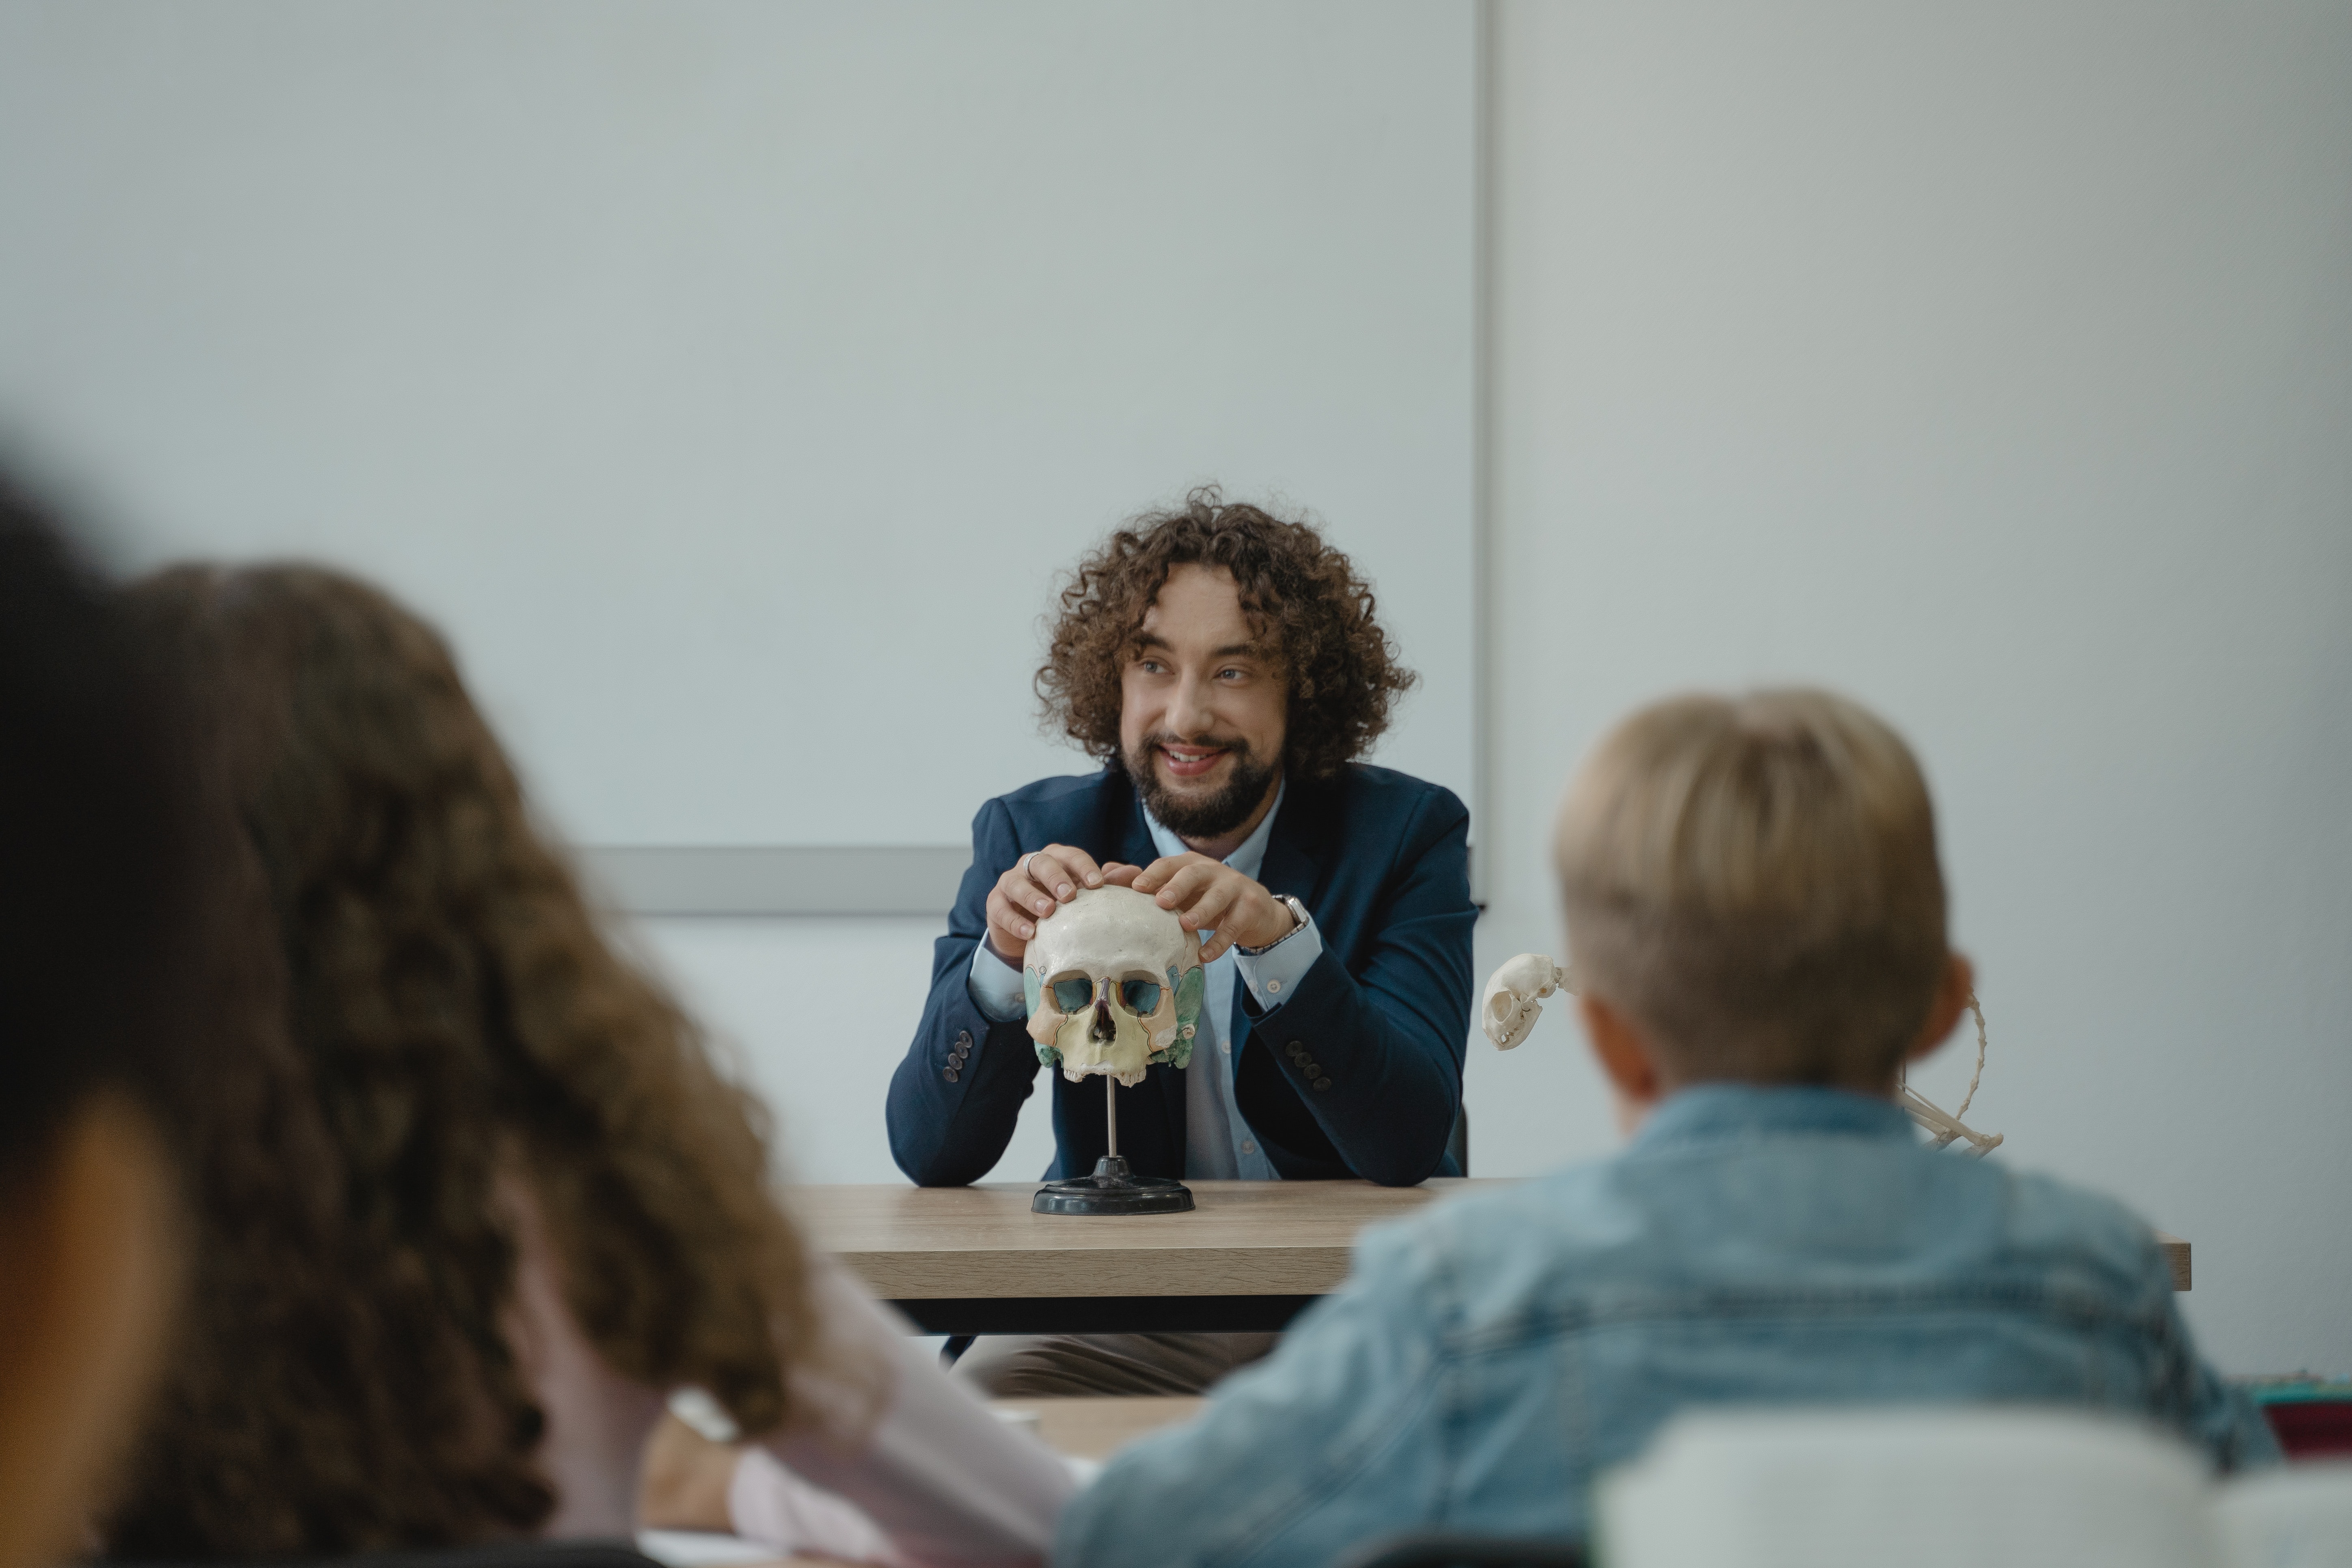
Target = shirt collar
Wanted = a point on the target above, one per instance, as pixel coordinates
(1246, 858)
(1710, 1112)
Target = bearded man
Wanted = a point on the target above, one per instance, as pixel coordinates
(1226, 668)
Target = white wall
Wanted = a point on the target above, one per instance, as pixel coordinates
(1994, 363)
(817, 1012)
(730, 378)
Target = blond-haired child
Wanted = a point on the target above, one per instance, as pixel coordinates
(1756, 915)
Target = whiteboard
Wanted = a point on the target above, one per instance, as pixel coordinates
(731, 381)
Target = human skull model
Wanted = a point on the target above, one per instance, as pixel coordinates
(1114, 984)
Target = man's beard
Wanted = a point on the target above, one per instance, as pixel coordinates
(1200, 817)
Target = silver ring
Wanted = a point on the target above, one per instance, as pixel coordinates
(1024, 861)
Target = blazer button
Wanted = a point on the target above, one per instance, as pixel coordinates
(964, 1039)
(1320, 1083)
(1295, 1050)
(950, 1075)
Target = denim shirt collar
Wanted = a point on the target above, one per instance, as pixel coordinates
(1710, 1112)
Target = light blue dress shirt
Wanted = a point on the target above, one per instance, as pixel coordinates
(1218, 1144)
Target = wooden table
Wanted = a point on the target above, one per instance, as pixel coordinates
(1096, 1427)
(1250, 1257)
(974, 1260)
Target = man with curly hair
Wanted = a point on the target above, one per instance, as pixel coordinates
(1226, 668)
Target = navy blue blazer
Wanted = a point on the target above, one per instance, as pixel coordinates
(1380, 860)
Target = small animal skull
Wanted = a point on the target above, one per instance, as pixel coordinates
(1114, 984)
(1513, 998)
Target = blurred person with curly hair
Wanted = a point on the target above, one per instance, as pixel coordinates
(1226, 668)
(471, 1198)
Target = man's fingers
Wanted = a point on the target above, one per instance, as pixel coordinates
(1163, 878)
(1154, 877)
(1007, 916)
(1208, 911)
(1020, 890)
(1062, 869)
(1037, 884)
(1046, 874)
(1185, 886)
(1120, 874)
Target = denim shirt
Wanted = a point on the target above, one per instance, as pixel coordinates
(1488, 1358)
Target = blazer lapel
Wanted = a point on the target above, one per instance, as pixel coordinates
(1290, 867)
(1294, 850)
(1287, 869)
(1119, 832)
(1137, 848)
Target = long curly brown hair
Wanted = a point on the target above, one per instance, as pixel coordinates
(447, 1014)
(1344, 671)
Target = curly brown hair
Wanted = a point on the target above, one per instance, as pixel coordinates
(1298, 591)
(445, 1013)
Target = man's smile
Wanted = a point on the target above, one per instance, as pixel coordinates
(1204, 787)
(1186, 762)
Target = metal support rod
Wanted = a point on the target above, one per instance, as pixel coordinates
(1110, 1110)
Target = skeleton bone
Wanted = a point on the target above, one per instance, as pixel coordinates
(1946, 1127)
(1513, 1001)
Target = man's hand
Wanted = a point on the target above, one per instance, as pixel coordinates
(1211, 896)
(1039, 883)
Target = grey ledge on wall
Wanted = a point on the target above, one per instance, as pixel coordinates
(781, 879)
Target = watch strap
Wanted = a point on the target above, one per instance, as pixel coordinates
(1298, 914)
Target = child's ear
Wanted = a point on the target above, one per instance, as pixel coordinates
(92, 1258)
(1952, 994)
(1625, 1055)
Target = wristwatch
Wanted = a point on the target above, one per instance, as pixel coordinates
(1297, 924)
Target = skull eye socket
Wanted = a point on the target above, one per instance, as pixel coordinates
(1072, 995)
(1140, 996)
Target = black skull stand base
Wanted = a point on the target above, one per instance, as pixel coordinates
(1111, 1190)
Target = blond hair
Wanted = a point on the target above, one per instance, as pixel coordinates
(1754, 881)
